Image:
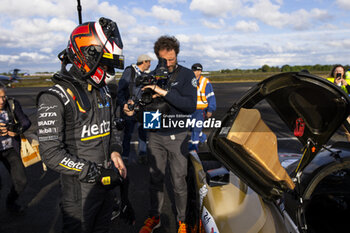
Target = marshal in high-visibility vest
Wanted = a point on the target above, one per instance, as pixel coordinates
(340, 78)
(202, 102)
(206, 105)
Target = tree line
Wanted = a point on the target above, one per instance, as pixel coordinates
(284, 68)
(264, 68)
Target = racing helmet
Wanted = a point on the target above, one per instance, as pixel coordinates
(95, 49)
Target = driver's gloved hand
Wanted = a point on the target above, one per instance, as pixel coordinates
(92, 174)
(108, 178)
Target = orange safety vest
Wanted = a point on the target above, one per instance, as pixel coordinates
(202, 102)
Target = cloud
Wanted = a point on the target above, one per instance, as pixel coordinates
(143, 30)
(328, 26)
(212, 52)
(217, 8)
(40, 25)
(26, 58)
(182, 38)
(239, 51)
(165, 14)
(32, 38)
(241, 25)
(211, 47)
(37, 30)
(4, 58)
(141, 12)
(46, 50)
(218, 25)
(161, 13)
(246, 26)
(267, 11)
(32, 42)
(339, 43)
(123, 18)
(30, 62)
(65, 9)
(280, 2)
(270, 14)
(35, 33)
(33, 56)
(343, 4)
(171, 1)
(44, 8)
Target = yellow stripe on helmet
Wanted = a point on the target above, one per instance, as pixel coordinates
(108, 55)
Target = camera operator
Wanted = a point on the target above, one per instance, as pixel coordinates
(13, 123)
(127, 89)
(170, 145)
(76, 132)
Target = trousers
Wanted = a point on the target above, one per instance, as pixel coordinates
(13, 163)
(197, 136)
(129, 129)
(85, 207)
(169, 150)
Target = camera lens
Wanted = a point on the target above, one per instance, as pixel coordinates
(146, 96)
(131, 107)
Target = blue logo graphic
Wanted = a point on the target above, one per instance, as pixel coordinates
(151, 120)
(101, 105)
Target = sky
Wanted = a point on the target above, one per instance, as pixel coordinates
(220, 34)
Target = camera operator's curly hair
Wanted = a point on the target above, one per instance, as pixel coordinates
(168, 43)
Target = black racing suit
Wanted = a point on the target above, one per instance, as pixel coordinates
(71, 138)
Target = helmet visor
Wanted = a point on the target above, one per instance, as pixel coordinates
(111, 31)
(112, 60)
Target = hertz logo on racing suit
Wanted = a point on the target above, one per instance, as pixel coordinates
(95, 131)
(71, 165)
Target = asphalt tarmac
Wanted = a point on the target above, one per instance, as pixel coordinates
(42, 194)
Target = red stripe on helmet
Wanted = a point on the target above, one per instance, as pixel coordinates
(83, 29)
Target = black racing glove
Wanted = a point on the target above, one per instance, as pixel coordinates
(108, 178)
(92, 174)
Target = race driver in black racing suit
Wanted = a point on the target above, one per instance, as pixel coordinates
(75, 127)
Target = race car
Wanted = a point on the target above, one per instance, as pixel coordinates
(240, 186)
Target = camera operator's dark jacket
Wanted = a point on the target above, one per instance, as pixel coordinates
(126, 81)
(127, 89)
(16, 113)
(182, 97)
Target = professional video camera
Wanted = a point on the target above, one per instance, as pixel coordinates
(13, 127)
(158, 77)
